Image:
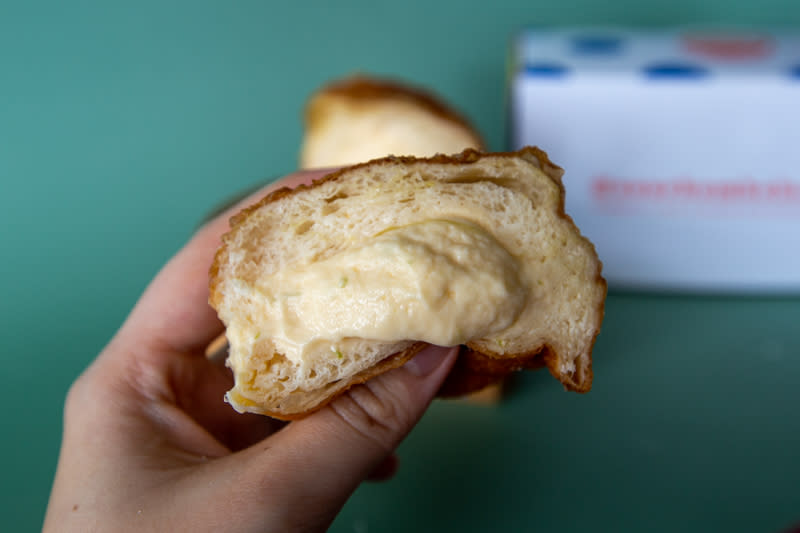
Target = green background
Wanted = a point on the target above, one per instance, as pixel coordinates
(123, 124)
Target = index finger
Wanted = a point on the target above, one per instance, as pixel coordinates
(173, 313)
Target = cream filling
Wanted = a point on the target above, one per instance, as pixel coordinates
(444, 282)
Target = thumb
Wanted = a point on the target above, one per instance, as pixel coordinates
(321, 459)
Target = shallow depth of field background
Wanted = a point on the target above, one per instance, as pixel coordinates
(123, 124)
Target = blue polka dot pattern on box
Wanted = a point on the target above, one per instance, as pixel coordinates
(597, 45)
(669, 56)
(675, 70)
(546, 70)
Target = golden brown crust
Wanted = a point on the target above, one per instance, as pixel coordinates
(362, 88)
(393, 361)
(473, 369)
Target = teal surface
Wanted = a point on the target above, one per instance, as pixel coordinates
(123, 124)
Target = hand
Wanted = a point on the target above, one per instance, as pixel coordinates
(149, 444)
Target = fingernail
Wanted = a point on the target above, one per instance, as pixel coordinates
(428, 360)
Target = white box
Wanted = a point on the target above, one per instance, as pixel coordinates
(681, 150)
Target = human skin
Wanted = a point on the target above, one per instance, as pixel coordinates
(149, 445)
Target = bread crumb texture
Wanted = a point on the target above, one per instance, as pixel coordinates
(517, 198)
